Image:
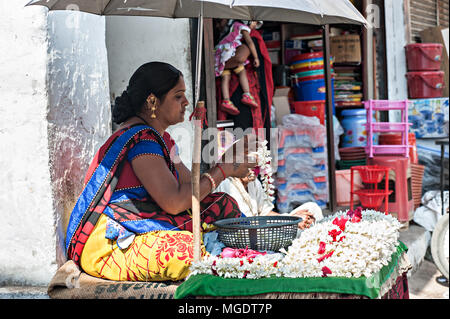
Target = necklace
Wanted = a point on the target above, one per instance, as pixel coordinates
(142, 119)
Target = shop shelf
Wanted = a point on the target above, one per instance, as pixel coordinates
(399, 127)
(389, 149)
(386, 105)
(388, 127)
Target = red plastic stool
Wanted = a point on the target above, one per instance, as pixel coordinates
(401, 203)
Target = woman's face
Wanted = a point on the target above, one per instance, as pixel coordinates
(173, 106)
(249, 178)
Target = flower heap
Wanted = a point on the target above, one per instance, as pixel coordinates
(352, 244)
(250, 267)
(348, 244)
(265, 170)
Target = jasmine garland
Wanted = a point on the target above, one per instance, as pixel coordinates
(347, 244)
(265, 172)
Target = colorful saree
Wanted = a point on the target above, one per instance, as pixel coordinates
(115, 202)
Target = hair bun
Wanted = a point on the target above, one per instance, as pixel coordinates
(123, 108)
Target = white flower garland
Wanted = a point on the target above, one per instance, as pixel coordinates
(347, 244)
(264, 160)
(338, 247)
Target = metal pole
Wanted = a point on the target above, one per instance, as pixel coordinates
(329, 118)
(442, 177)
(198, 63)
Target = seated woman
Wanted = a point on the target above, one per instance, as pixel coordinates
(251, 197)
(253, 201)
(132, 220)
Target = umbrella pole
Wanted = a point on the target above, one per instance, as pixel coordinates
(329, 118)
(196, 156)
(195, 181)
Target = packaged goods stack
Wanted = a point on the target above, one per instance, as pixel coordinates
(346, 51)
(273, 44)
(298, 44)
(302, 163)
(347, 87)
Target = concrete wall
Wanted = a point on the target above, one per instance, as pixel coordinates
(133, 41)
(27, 232)
(79, 115)
(54, 113)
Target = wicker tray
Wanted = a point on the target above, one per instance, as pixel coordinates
(258, 233)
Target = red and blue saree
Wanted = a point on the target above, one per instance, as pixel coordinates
(115, 201)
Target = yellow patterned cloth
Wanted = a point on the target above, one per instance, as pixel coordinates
(153, 256)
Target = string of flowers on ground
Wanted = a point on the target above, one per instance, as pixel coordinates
(348, 244)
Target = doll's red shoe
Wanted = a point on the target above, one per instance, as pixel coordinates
(249, 100)
(228, 107)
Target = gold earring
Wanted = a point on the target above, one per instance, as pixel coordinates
(153, 107)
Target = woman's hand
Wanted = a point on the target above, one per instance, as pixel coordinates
(308, 219)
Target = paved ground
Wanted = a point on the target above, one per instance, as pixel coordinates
(423, 283)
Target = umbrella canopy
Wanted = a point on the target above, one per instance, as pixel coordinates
(318, 12)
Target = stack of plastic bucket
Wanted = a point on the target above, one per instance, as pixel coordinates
(425, 80)
(308, 80)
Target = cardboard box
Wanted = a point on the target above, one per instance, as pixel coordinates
(281, 102)
(346, 48)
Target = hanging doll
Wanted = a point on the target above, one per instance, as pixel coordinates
(231, 56)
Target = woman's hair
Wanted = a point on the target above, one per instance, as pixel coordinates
(153, 77)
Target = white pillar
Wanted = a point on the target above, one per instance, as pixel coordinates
(54, 113)
(133, 41)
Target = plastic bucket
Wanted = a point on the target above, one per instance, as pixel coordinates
(422, 85)
(308, 65)
(424, 56)
(310, 108)
(309, 78)
(343, 187)
(313, 63)
(312, 90)
(306, 56)
(301, 75)
(307, 68)
(355, 133)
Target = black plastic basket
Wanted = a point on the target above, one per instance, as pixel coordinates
(258, 233)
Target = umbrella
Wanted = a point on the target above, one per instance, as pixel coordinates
(317, 12)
